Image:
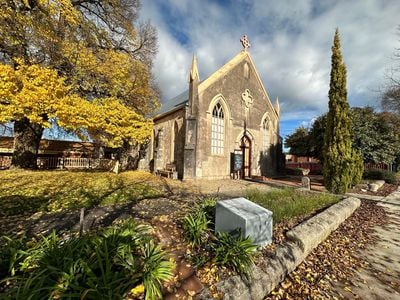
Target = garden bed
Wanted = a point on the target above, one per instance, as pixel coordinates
(290, 208)
(121, 261)
(384, 191)
(109, 198)
(289, 203)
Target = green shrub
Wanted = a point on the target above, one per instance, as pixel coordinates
(97, 266)
(234, 252)
(11, 254)
(198, 227)
(208, 207)
(231, 251)
(294, 171)
(376, 174)
(156, 269)
(195, 226)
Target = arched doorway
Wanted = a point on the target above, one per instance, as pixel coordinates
(245, 145)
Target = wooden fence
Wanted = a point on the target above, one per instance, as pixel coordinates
(5, 162)
(313, 166)
(317, 166)
(381, 166)
(46, 163)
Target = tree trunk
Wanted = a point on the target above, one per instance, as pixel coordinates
(27, 137)
(129, 156)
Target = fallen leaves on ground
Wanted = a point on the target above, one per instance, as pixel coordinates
(23, 191)
(384, 191)
(335, 259)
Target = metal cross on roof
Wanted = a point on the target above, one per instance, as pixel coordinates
(245, 42)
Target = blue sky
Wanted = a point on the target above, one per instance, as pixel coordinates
(291, 43)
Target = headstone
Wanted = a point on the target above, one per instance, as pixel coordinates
(253, 220)
(306, 183)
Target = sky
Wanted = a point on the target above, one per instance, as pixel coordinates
(290, 45)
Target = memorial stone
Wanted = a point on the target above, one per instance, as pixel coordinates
(253, 220)
(305, 183)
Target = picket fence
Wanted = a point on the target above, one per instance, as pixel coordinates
(5, 162)
(312, 166)
(66, 163)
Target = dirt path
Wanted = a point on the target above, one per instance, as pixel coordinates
(380, 278)
(225, 188)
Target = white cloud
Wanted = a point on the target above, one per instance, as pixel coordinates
(291, 43)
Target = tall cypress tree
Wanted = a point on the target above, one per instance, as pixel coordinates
(343, 165)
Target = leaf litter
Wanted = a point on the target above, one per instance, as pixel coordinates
(335, 259)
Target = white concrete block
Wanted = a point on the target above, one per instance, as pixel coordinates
(253, 220)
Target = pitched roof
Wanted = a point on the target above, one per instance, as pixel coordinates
(51, 146)
(181, 100)
(172, 104)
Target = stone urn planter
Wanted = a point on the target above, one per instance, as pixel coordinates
(305, 172)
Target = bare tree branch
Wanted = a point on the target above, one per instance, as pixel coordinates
(391, 95)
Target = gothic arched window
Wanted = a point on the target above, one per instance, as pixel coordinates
(217, 130)
(266, 134)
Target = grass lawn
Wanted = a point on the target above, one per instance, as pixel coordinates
(27, 192)
(32, 191)
(288, 203)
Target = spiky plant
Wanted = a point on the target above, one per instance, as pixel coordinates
(234, 251)
(195, 226)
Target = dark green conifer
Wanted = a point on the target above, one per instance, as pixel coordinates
(343, 165)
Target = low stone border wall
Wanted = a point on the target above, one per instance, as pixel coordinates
(302, 240)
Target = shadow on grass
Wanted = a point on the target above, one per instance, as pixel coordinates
(21, 205)
(67, 220)
(29, 199)
(40, 206)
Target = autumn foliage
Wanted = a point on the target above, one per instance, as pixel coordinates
(40, 95)
(83, 65)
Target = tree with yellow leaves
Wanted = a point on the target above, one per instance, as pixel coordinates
(84, 64)
(35, 96)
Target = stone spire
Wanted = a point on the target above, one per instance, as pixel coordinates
(190, 149)
(194, 72)
(277, 106)
(194, 81)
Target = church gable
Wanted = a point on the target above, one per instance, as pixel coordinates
(227, 116)
(241, 88)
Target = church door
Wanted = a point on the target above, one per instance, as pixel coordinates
(246, 151)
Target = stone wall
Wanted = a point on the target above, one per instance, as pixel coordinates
(228, 89)
(168, 142)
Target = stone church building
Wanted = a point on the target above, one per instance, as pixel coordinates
(222, 127)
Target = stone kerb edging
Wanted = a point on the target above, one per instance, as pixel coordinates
(302, 240)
